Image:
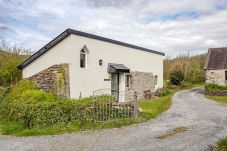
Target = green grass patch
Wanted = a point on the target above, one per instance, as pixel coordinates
(220, 146)
(222, 99)
(212, 86)
(172, 132)
(13, 128)
(152, 108)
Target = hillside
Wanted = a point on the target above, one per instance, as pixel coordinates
(8, 67)
(191, 66)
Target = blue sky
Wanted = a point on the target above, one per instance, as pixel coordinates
(171, 26)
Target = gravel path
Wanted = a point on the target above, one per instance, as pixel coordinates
(205, 120)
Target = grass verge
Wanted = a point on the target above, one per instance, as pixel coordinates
(152, 108)
(220, 146)
(221, 99)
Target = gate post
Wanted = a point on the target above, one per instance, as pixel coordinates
(136, 106)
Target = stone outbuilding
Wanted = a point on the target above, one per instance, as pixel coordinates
(216, 66)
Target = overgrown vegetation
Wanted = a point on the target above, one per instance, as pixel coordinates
(162, 92)
(220, 146)
(11, 57)
(212, 86)
(33, 112)
(176, 77)
(191, 66)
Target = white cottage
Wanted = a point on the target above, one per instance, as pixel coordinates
(75, 64)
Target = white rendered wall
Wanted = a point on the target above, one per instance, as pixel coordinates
(85, 81)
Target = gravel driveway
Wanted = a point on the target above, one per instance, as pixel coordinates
(205, 120)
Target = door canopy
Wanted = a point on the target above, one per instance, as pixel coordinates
(117, 68)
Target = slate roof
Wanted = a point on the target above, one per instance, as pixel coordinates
(79, 33)
(216, 59)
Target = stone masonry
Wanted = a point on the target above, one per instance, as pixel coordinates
(55, 79)
(215, 76)
(142, 82)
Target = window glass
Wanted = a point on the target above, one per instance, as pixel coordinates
(128, 80)
(156, 80)
(225, 75)
(82, 59)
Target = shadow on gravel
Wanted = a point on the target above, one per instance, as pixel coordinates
(198, 90)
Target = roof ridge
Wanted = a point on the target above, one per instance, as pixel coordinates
(69, 31)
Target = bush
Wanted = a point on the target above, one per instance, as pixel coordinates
(4, 93)
(196, 75)
(9, 73)
(212, 86)
(176, 77)
(22, 86)
(186, 84)
(37, 95)
(35, 108)
(162, 92)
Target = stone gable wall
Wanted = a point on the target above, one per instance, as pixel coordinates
(54, 79)
(143, 83)
(215, 76)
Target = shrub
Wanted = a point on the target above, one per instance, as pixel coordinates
(162, 92)
(22, 86)
(4, 93)
(176, 77)
(37, 108)
(186, 84)
(212, 86)
(37, 95)
(9, 73)
(196, 75)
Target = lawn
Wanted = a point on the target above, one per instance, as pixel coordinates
(222, 99)
(152, 108)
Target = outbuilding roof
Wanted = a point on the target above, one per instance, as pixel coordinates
(216, 59)
(79, 33)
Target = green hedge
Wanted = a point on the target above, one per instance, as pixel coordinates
(31, 107)
(37, 108)
(212, 86)
(47, 113)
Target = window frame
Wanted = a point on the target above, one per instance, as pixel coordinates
(84, 53)
(128, 80)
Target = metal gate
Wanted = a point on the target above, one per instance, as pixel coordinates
(106, 106)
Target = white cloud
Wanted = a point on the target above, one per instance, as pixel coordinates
(171, 26)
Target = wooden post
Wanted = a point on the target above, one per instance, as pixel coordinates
(94, 111)
(136, 109)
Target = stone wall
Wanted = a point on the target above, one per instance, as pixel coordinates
(215, 76)
(55, 79)
(141, 82)
(215, 92)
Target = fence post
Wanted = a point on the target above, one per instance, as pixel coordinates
(94, 111)
(136, 107)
